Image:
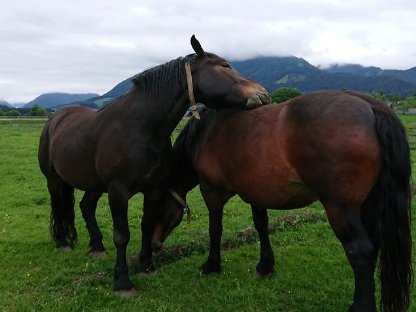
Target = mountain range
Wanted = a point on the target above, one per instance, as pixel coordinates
(50, 100)
(293, 72)
(3, 103)
(274, 73)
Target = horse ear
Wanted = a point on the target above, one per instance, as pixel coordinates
(197, 46)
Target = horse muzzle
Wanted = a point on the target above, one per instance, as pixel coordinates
(258, 99)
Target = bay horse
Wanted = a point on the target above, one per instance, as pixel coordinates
(125, 147)
(346, 149)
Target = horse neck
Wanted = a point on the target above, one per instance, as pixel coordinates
(156, 113)
(182, 175)
(174, 113)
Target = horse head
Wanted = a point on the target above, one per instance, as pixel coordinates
(168, 218)
(216, 83)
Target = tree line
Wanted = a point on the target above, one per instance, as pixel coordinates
(401, 105)
(35, 110)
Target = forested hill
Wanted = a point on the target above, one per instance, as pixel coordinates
(408, 75)
(50, 100)
(3, 103)
(277, 72)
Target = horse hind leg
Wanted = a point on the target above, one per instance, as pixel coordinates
(62, 218)
(360, 251)
(88, 207)
(261, 223)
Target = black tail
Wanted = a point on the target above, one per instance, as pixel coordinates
(394, 200)
(62, 196)
(62, 225)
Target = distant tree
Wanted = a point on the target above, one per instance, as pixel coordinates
(396, 97)
(284, 94)
(380, 95)
(37, 110)
(13, 112)
(1, 112)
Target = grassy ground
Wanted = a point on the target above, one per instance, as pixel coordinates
(312, 271)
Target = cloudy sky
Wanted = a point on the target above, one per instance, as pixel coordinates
(89, 46)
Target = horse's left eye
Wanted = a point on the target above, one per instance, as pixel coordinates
(226, 65)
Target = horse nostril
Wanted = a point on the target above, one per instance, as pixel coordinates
(254, 101)
(258, 99)
(265, 98)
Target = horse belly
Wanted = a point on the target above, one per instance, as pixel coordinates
(283, 195)
(78, 174)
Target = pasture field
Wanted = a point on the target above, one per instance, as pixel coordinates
(312, 272)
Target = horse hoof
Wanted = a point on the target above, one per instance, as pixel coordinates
(263, 274)
(207, 269)
(65, 248)
(263, 271)
(127, 293)
(145, 268)
(147, 273)
(97, 254)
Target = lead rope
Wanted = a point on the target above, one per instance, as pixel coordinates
(185, 206)
(194, 108)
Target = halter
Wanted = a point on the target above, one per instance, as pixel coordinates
(183, 203)
(194, 108)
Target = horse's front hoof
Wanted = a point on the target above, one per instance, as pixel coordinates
(96, 247)
(97, 254)
(124, 287)
(63, 245)
(209, 268)
(127, 293)
(145, 268)
(369, 308)
(264, 270)
(65, 248)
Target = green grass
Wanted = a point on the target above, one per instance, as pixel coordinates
(312, 273)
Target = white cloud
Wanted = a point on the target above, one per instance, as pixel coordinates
(89, 46)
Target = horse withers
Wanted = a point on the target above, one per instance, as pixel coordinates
(346, 149)
(125, 148)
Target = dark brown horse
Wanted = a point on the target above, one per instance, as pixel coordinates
(345, 149)
(125, 147)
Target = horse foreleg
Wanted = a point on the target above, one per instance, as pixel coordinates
(88, 207)
(360, 251)
(118, 199)
(215, 200)
(261, 223)
(151, 203)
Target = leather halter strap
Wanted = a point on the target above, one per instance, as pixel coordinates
(183, 203)
(194, 108)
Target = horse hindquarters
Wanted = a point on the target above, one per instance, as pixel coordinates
(381, 226)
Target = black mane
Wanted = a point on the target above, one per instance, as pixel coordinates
(162, 77)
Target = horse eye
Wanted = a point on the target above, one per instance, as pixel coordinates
(226, 65)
